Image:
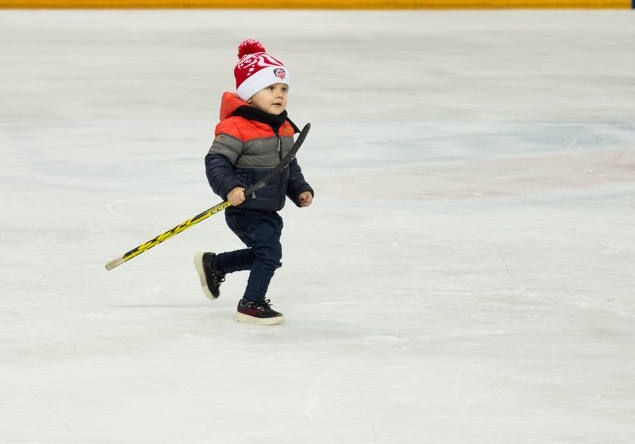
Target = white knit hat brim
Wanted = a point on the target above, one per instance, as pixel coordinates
(260, 80)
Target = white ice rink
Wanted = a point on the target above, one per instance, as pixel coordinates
(465, 275)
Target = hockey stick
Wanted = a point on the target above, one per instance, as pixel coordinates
(215, 209)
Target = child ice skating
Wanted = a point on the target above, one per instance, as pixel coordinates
(253, 135)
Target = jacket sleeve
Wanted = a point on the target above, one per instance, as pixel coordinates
(297, 184)
(220, 174)
(221, 158)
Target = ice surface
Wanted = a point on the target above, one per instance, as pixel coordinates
(465, 275)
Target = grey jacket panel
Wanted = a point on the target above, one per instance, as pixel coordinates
(228, 146)
(255, 153)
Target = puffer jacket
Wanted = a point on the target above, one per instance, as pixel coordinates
(244, 151)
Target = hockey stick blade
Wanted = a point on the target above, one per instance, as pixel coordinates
(286, 160)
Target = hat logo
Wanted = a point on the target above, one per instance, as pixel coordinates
(280, 73)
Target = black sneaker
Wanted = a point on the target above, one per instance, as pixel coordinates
(258, 313)
(210, 278)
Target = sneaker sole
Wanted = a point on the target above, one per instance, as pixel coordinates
(240, 317)
(198, 263)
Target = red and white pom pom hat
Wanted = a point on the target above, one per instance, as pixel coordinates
(256, 69)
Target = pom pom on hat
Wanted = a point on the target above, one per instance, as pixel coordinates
(250, 46)
(256, 69)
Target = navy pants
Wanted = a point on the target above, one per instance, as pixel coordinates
(260, 232)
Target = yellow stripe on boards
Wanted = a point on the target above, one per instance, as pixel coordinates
(322, 4)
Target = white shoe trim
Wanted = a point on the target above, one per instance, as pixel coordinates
(198, 263)
(241, 317)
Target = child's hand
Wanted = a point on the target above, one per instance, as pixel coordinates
(236, 196)
(305, 199)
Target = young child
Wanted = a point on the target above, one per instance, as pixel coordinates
(253, 134)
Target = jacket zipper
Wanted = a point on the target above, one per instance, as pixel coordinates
(281, 201)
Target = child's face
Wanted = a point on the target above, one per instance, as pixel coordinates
(272, 99)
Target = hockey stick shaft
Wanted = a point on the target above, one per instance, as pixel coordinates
(211, 211)
(166, 235)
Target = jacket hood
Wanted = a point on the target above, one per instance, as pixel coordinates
(230, 103)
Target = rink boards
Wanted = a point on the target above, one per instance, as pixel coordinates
(325, 4)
